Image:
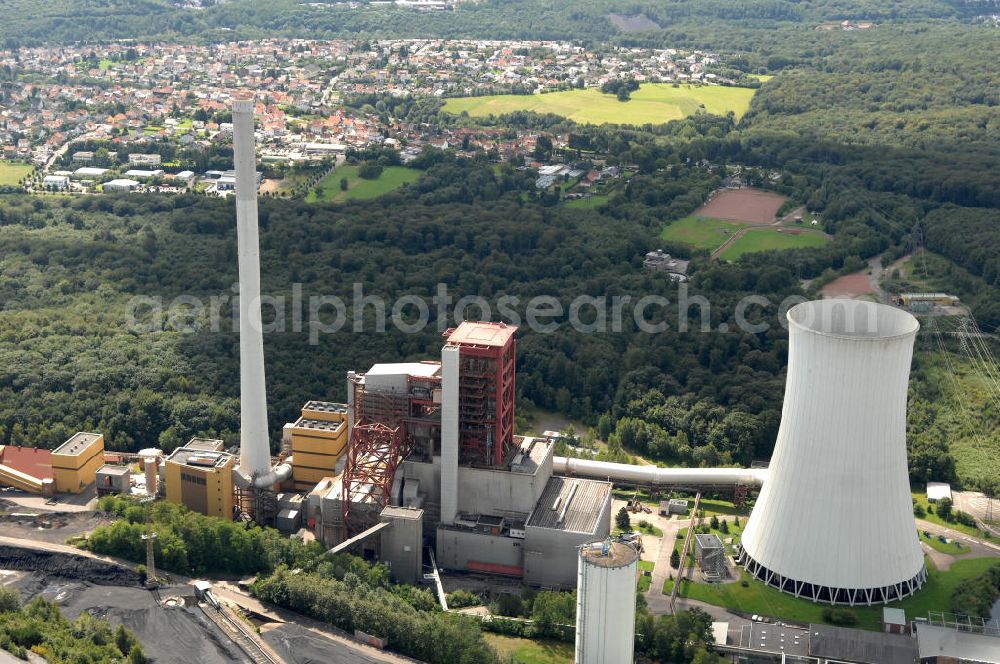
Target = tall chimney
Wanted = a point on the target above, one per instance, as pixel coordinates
(255, 451)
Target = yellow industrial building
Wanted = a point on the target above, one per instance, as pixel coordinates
(75, 462)
(318, 440)
(201, 479)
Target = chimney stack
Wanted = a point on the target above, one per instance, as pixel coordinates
(255, 451)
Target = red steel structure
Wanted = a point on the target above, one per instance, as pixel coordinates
(487, 354)
(388, 427)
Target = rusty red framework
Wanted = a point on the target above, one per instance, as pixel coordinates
(375, 452)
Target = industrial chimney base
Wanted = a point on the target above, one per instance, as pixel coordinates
(830, 595)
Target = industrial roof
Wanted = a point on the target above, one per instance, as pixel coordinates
(768, 637)
(113, 470)
(183, 454)
(938, 490)
(708, 541)
(482, 333)
(891, 616)
(28, 460)
(608, 554)
(321, 425)
(325, 406)
(579, 502)
(422, 369)
(205, 444)
(77, 443)
(935, 641)
(857, 645)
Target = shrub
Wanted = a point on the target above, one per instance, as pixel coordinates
(370, 170)
(461, 599)
(837, 616)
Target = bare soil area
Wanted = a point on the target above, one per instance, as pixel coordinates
(752, 206)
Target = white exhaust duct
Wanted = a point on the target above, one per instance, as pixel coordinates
(834, 520)
(255, 451)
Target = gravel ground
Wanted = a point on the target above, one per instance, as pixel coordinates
(298, 645)
(169, 635)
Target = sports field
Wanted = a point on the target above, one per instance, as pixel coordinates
(764, 239)
(700, 232)
(392, 177)
(754, 206)
(11, 172)
(653, 103)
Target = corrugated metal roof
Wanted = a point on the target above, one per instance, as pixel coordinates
(586, 499)
(858, 645)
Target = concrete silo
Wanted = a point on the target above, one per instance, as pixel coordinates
(605, 603)
(834, 520)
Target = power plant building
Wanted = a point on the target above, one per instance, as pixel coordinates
(201, 480)
(318, 440)
(834, 521)
(75, 462)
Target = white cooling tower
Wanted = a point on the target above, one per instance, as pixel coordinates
(255, 451)
(834, 520)
(605, 603)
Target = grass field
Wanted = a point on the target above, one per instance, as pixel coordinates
(762, 599)
(393, 177)
(701, 233)
(764, 239)
(952, 547)
(654, 103)
(591, 203)
(920, 496)
(645, 581)
(11, 172)
(526, 651)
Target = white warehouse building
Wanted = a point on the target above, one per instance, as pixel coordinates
(834, 520)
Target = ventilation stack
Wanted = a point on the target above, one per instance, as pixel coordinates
(255, 451)
(834, 520)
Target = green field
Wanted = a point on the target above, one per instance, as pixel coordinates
(526, 651)
(764, 600)
(953, 547)
(591, 203)
(645, 581)
(920, 496)
(764, 239)
(11, 172)
(654, 103)
(701, 232)
(393, 177)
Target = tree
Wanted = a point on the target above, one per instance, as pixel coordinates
(623, 521)
(944, 508)
(724, 527)
(675, 559)
(343, 184)
(10, 600)
(714, 522)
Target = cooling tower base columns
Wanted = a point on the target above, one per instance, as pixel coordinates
(826, 594)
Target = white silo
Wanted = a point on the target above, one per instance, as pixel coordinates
(834, 519)
(605, 603)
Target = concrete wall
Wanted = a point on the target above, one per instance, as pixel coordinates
(484, 491)
(550, 556)
(450, 499)
(456, 548)
(402, 544)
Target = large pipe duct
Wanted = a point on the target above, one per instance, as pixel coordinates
(255, 451)
(834, 521)
(623, 472)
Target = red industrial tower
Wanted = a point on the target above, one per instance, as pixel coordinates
(486, 391)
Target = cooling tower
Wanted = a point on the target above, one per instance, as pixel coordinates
(255, 451)
(605, 603)
(834, 520)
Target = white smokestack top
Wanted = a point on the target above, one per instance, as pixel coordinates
(834, 520)
(255, 451)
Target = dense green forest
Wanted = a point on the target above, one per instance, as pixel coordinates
(39, 628)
